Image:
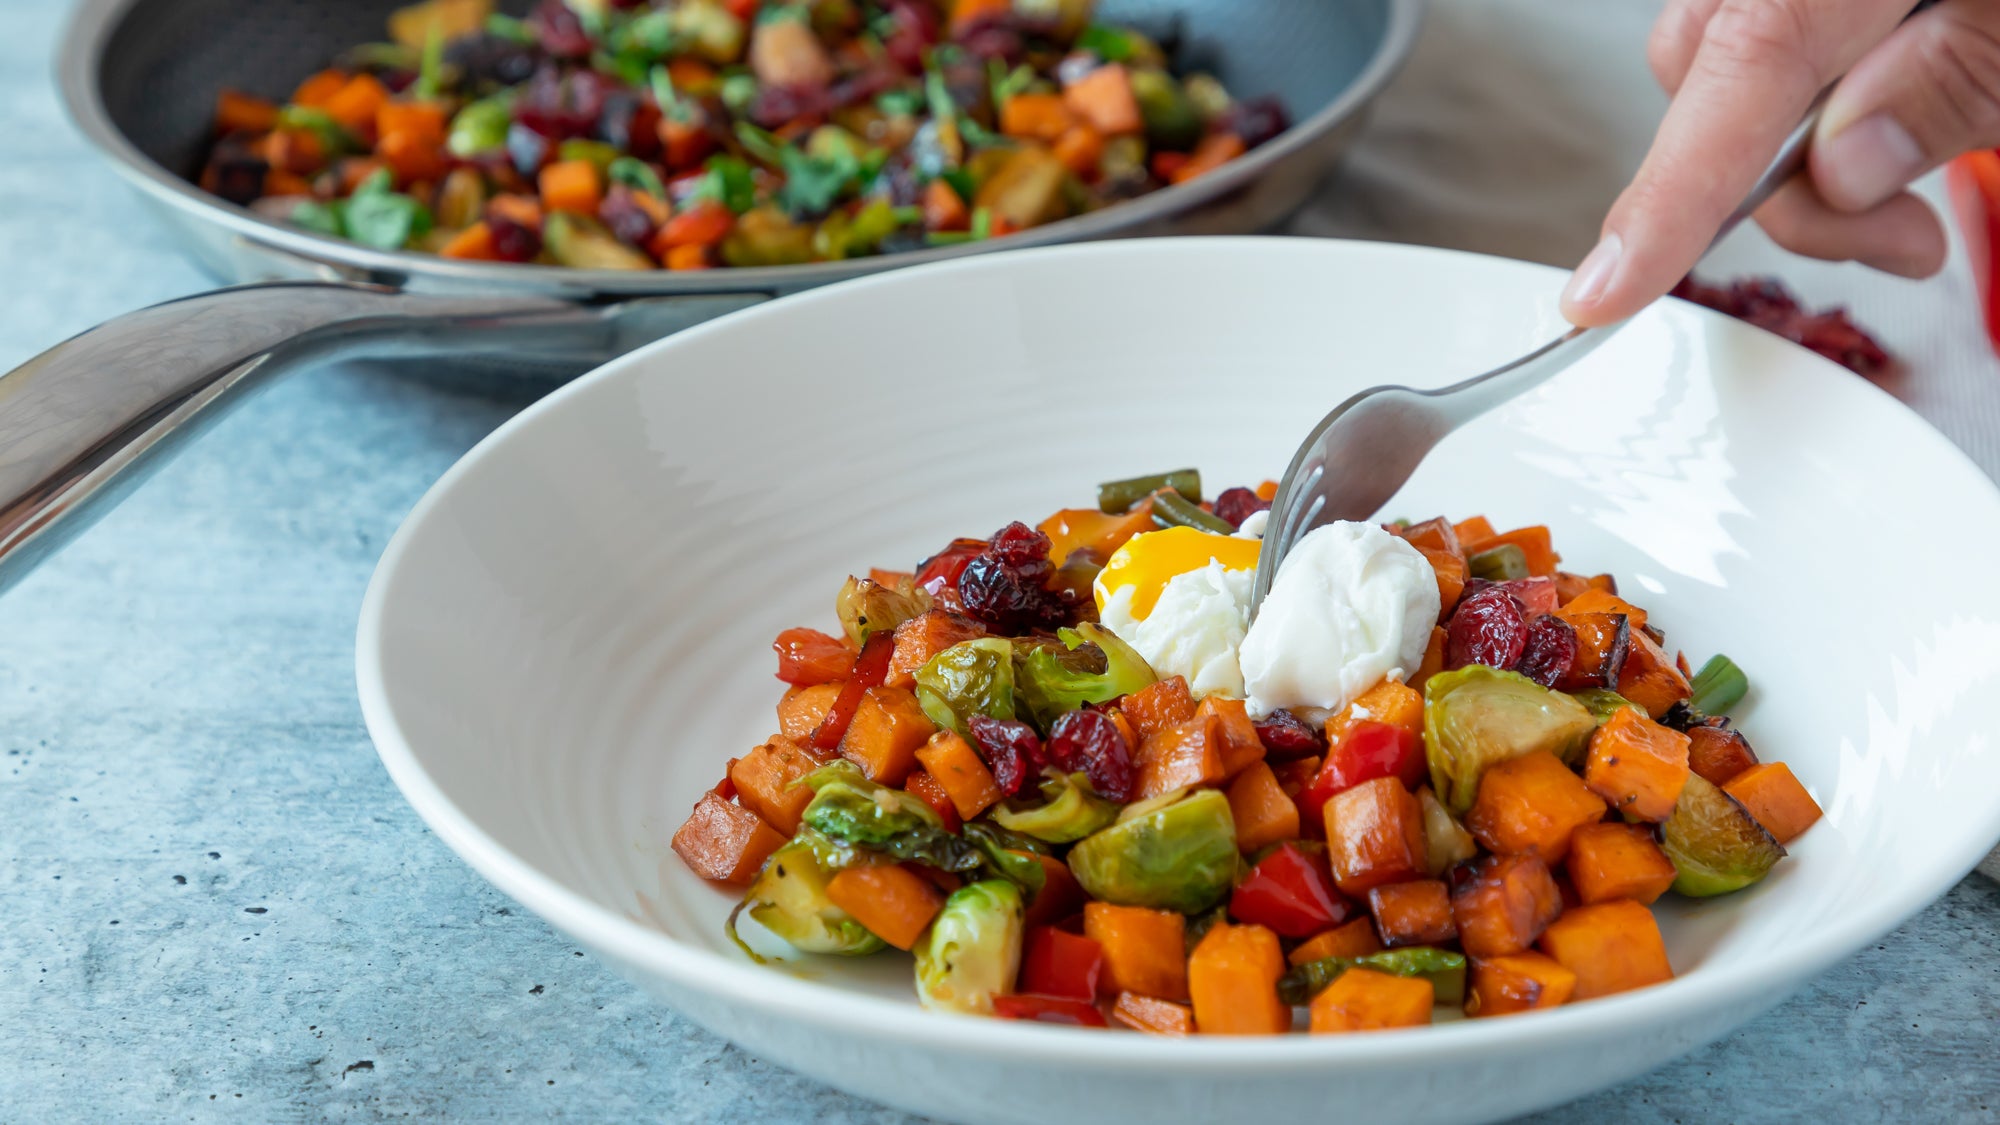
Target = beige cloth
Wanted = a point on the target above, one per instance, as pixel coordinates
(1516, 123)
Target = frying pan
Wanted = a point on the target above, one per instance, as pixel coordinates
(82, 422)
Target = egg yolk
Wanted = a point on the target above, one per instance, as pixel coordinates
(1146, 563)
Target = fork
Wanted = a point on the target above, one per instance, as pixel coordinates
(1367, 448)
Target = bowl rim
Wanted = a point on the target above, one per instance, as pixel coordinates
(1760, 978)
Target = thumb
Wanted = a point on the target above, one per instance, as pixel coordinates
(1928, 92)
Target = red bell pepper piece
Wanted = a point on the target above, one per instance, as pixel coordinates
(941, 571)
(922, 784)
(1973, 182)
(1367, 750)
(1048, 1009)
(808, 656)
(1058, 963)
(726, 788)
(870, 669)
(1291, 893)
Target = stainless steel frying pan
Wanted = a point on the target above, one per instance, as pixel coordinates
(81, 421)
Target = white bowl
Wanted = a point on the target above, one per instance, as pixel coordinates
(571, 633)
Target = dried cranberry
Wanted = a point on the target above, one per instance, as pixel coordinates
(1090, 741)
(1017, 545)
(1237, 504)
(1255, 120)
(236, 172)
(1010, 599)
(562, 106)
(631, 123)
(1011, 751)
(625, 217)
(512, 241)
(483, 59)
(1770, 306)
(556, 24)
(915, 30)
(862, 86)
(1285, 735)
(941, 571)
(777, 106)
(996, 35)
(1550, 650)
(1488, 628)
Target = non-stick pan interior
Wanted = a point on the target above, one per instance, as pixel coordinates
(166, 59)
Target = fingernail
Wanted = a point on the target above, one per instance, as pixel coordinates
(1867, 162)
(1593, 276)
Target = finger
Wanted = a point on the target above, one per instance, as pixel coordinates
(1675, 38)
(1900, 236)
(1928, 93)
(1760, 63)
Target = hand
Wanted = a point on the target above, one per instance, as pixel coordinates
(1742, 73)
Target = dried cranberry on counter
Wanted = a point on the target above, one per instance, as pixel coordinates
(1766, 303)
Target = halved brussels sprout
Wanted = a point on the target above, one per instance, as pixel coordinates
(1172, 121)
(574, 240)
(1478, 716)
(867, 607)
(1602, 703)
(1174, 852)
(1051, 681)
(1069, 812)
(789, 898)
(1715, 845)
(1446, 841)
(970, 678)
(972, 951)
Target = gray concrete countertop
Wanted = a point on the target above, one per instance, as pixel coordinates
(214, 906)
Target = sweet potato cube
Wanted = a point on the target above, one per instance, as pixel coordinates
(763, 780)
(1232, 978)
(1374, 836)
(1180, 756)
(1613, 861)
(1650, 677)
(1603, 641)
(1505, 906)
(1398, 705)
(1145, 951)
(1775, 799)
(1264, 812)
(1158, 705)
(1451, 575)
(802, 709)
(1433, 661)
(1349, 939)
(1413, 913)
(1365, 1000)
(1530, 805)
(1534, 543)
(960, 771)
(724, 841)
(1153, 1015)
(1718, 753)
(1518, 982)
(1611, 947)
(1595, 599)
(1435, 533)
(889, 728)
(1472, 532)
(924, 636)
(1061, 895)
(890, 902)
(1570, 586)
(1637, 765)
(1239, 745)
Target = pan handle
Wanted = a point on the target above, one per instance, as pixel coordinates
(87, 419)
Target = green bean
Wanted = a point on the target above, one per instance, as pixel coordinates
(1171, 509)
(1500, 564)
(1719, 686)
(1116, 496)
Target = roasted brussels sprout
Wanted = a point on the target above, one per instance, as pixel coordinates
(1069, 812)
(1174, 852)
(1446, 841)
(867, 607)
(972, 950)
(1172, 121)
(1715, 845)
(1602, 703)
(854, 810)
(1051, 681)
(789, 898)
(574, 240)
(1477, 716)
(970, 678)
